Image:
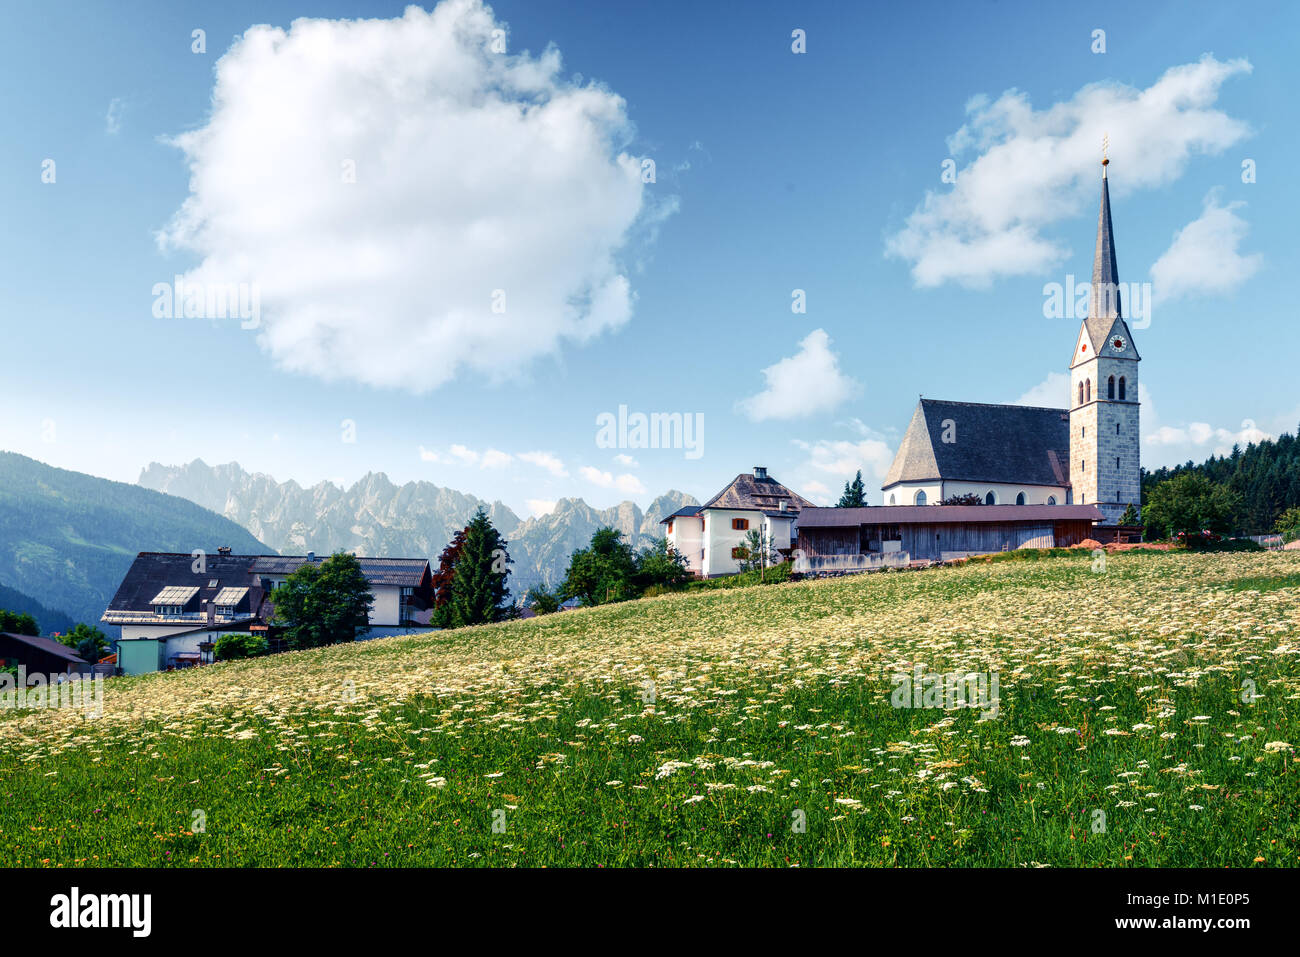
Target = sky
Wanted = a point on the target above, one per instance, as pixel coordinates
(459, 239)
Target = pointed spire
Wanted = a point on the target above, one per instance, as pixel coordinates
(1105, 269)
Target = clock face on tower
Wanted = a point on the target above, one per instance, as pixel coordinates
(1118, 343)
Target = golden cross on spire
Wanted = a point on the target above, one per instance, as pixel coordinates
(1105, 149)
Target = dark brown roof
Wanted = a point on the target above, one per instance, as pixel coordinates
(47, 645)
(151, 572)
(933, 514)
(757, 494)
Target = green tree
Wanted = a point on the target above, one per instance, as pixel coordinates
(757, 551)
(19, 624)
(968, 498)
(1130, 516)
(1189, 503)
(87, 641)
(542, 600)
(237, 645)
(1288, 523)
(479, 591)
(661, 566)
(602, 572)
(855, 493)
(324, 603)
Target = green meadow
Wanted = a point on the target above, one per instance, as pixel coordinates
(1145, 715)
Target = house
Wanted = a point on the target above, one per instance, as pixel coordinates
(1086, 454)
(172, 608)
(38, 655)
(857, 539)
(711, 537)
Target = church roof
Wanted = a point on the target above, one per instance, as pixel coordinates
(757, 493)
(1015, 444)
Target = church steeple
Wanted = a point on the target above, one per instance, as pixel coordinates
(1105, 459)
(1105, 268)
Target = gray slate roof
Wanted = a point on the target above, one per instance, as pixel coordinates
(1016, 444)
(755, 494)
(684, 512)
(408, 572)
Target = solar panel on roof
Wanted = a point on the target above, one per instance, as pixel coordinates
(175, 595)
(230, 596)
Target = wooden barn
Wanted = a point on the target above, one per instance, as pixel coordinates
(843, 539)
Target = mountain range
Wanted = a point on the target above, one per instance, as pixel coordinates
(67, 538)
(374, 516)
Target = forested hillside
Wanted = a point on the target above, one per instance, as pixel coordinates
(1266, 476)
(66, 539)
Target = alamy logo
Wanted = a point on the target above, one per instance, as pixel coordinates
(1077, 301)
(75, 910)
(56, 692)
(658, 430)
(184, 299)
(955, 689)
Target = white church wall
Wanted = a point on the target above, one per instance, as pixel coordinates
(904, 493)
(1005, 494)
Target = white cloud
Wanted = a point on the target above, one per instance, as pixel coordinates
(626, 461)
(1052, 393)
(1037, 167)
(840, 460)
(462, 455)
(540, 506)
(546, 461)
(807, 382)
(627, 483)
(1200, 434)
(475, 172)
(113, 119)
(1204, 257)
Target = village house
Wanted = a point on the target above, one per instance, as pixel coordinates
(172, 608)
(712, 537)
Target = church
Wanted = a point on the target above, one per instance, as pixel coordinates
(1087, 454)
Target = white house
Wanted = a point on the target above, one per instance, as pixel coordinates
(712, 536)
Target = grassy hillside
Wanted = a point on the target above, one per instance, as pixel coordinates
(66, 539)
(705, 728)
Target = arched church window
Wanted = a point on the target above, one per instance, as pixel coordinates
(1020, 499)
(920, 496)
(1087, 390)
(990, 499)
(1051, 500)
(1069, 496)
(891, 498)
(1117, 428)
(1110, 388)
(1123, 390)
(1080, 393)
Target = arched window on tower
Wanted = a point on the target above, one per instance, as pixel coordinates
(1080, 393)
(1110, 388)
(1020, 499)
(1123, 389)
(920, 497)
(1087, 390)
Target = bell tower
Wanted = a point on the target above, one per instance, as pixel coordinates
(1105, 466)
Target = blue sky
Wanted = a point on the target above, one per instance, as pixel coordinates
(774, 171)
